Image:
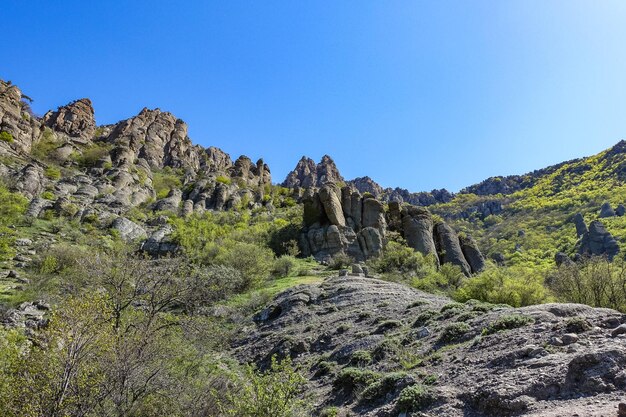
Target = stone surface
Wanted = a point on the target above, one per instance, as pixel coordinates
(308, 174)
(417, 224)
(472, 254)
(598, 241)
(606, 210)
(449, 248)
(128, 230)
(75, 120)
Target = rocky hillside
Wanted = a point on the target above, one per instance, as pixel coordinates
(374, 348)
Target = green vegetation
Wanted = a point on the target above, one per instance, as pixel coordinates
(454, 332)
(53, 172)
(414, 398)
(165, 180)
(13, 206)
(508, 322)
(89, 156)
(6, 137)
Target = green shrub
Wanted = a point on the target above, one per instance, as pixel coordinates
(284, 266)
(324, 368)
(6, 137)
(577, 325)
(253, 261)
(52, 172)
(48, 195)
(515, 286)
(163, 181)
(44, 149)
(92, 154)
(223, 180)
(508, 322)
(382, 387)
(454, 332)
(425, 317)
(414, 398)
(361, 358)
(330, 412)
(355, 379)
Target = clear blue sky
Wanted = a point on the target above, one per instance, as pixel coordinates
(417, 94)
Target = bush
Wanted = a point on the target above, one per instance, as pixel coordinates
(253, 261)
(6, 137)
(454, 332)
(52, 172)
(515, 286)
(508, 322)
(271, 393)
(12, 208)
(223, 180)
(382, 387)
(596, 282)
(355, 379)
(425, 317)
(284, 266)
(414, 398)
(92, 154)
(360, 358)
(163, 181)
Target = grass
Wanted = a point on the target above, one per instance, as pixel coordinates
(274, 287)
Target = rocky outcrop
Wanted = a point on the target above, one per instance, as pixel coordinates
(472, 253)
(155, 136)
(606, 210)
(581, 227)
(128, 230)
(75, 121)
(346, 223)
(308, 174)
(417, 228)
(449, 248)
(598, 242)
(21, 128)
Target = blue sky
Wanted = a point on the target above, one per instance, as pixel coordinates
(416, 94)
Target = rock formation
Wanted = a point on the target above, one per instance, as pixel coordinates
(598, 242)
(75, 120)
(606, 210)
(343, 222)
(308, 174)
(21, 128)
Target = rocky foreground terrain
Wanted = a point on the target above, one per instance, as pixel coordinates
(367, 344)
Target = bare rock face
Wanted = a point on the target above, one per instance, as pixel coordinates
(472, 254)
(156, 136)
(367, 185)
(581, 227)
(75, 120)
(332, 205)
(449, 248)
(307, 174)
(30, 180)
(216, 160)
(598, 242)
(15, 119)
(417, 224)
(606, 210)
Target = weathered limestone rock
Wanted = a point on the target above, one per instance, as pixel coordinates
(472, 254)
(449, 248)
(75, 120)
(307, 174)
(598, 241)
(332, 206)
(374, 214)
(128, 230)
(171, 202)
(606, 210)
(417, 224)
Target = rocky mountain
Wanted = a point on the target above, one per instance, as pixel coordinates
(65, 162)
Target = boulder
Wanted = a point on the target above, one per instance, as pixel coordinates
(128, 230)
(472, 254)
(562, 259)
(606, 210)
(373, 214)
(581, 227)
(620, 210)
(75, 120)
(171, 202)
(598, 241)
(449, 247)
(417, 224)
(332, 206)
